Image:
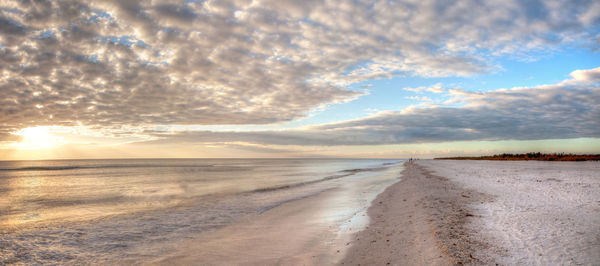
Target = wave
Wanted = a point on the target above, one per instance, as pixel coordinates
(68, 167)
(41, 168)
(277, 204)
(342, 173)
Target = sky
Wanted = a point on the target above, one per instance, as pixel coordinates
(282, 78)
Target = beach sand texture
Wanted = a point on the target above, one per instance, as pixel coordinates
(485, 212)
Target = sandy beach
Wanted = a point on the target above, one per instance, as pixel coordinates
(485, 212)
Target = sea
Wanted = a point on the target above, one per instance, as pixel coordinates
(135, 210)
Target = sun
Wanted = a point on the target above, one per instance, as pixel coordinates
(37, 138)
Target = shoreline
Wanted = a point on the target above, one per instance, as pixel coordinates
(421, 220)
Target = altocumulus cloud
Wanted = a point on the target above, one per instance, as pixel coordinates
(570, 109)
(119, 63)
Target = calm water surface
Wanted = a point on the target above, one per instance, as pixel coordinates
(86, 211)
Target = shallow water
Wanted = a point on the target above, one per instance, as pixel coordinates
(86, 211)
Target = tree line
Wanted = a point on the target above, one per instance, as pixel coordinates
(537, 156)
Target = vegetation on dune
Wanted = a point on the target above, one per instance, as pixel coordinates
(531, 156)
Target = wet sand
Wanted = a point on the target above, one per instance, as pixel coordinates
(292, 234)
(485, 213)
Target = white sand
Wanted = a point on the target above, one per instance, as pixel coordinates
(543, 213)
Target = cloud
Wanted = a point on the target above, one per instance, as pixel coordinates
(419, 98)
(558, 111)
(436, 88)
(118, 63)
(588, 75)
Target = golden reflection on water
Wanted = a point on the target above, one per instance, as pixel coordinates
(91, 190)
(74, 211)
(20, 210)
(39, 198)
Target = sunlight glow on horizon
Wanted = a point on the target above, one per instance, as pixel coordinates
(37, 138)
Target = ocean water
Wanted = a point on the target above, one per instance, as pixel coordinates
(102, 211)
